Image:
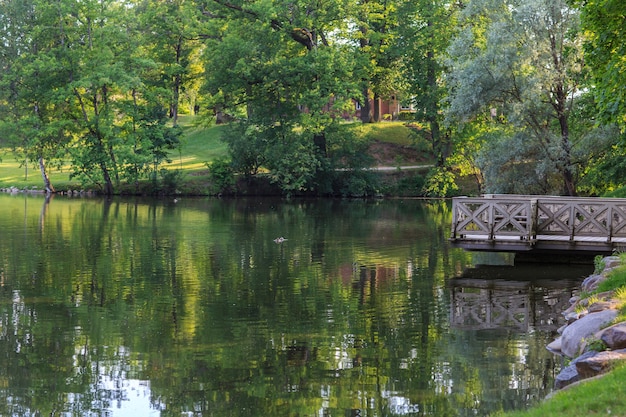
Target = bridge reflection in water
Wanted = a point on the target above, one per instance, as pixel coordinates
(521, 298)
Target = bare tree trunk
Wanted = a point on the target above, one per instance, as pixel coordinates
(46, 180)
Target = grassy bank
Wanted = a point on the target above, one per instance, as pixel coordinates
(598, 397)
(202, 145)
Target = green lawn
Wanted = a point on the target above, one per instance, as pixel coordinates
(392, 132)
(15, 173)
(598, 397)
(199, 145)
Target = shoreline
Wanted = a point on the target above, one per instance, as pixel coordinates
(591, 338)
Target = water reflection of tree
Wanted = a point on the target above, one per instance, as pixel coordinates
(154, 293)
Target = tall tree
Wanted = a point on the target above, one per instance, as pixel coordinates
(604, 29)
(427, 30)
(289, 65)
(378, 57)
(31, 71)
(521, 60)
(604, 33)
(118, 113)
(171, 38)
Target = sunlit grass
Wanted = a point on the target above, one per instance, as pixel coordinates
(598, 397)
(14, 173)
(198, 146)
(392, 132)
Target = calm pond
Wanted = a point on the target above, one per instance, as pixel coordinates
(137, 307)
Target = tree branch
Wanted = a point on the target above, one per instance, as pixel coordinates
(303, 36)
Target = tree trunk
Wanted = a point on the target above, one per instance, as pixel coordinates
(176, 86)
(320, 141)
(108, 184)
(46, 180)
(377, 115)
(566, 146)
(366, 109)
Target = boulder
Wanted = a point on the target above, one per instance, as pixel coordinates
(555, 346)
(574, 334)
(614, 337)
(590, 283)
(569, 374)
(599, 363)
(611, 262)
(603, 305)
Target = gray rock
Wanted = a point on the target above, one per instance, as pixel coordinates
(571, 317)
(569, 374)
(614, 337)
(573, 335)
(599, 363)
(602, 305)
(611, 261)
(590, 283)
(555, 346)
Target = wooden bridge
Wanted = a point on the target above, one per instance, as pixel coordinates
(538, 224)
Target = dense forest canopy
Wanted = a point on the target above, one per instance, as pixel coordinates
(523, 95)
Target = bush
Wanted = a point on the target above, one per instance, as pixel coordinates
(412, 185)
(406, 116)
(222, 176)
(170, 181)
(440, 182)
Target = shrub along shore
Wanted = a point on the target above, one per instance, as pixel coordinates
(594, 341)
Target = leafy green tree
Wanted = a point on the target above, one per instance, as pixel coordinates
(378, 57)
(521, 61)
(604, 30)
(32, 70)
(287, 64)
(426, 31)
(172, 40)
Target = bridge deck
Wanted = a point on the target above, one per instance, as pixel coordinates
(516, 223)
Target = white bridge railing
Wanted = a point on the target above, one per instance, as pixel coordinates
(532, 219)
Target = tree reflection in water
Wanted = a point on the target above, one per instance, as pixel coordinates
(145, 307)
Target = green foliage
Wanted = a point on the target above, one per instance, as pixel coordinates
(525, 68)
(222, 175)
(427, 30)
(514, 163)
(440, 182)
(406, 116)
(293, 162)
(247, 146)
(354, 186)
(410, 185)
(598, 263)
(594, 344)
(171, 182)
(603, 22)
(615, 279)
(99, 84)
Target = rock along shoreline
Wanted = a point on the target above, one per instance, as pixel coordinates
(587, 338)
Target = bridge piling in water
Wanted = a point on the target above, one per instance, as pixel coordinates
(539, 224)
